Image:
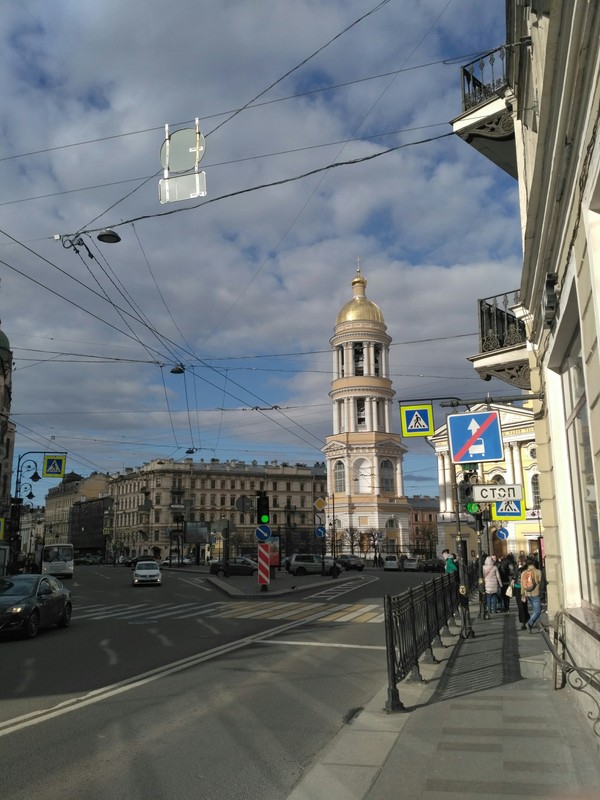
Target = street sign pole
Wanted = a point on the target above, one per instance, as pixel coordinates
(463, 589)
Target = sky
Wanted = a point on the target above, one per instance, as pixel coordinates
(240, 287)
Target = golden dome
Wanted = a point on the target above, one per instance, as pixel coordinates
(359, 308)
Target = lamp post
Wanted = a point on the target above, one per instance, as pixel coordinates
(25, 465)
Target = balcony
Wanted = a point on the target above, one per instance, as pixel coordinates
(502, 342)
(486, 122)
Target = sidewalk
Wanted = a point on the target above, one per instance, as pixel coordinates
(486, 723)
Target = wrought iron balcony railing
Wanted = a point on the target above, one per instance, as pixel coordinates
(498, 325)
(483, 78)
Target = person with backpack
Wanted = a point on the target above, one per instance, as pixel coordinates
(531, 584)
(493, 583)
(520, 598)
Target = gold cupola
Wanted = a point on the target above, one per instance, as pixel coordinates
(359, 308)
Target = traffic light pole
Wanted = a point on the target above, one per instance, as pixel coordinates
(463, 589)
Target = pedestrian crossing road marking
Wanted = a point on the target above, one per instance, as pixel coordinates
(287, 611)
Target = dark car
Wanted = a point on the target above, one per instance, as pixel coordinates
(350, 561)
(30, 602)
(434, 565)
(238, 565)
(131, 562)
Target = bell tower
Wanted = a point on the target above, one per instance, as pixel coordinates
(364, 456)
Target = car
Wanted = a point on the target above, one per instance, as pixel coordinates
(434, 565)
(413, 564)
(238, 565)
(176, 561)
(131, 562)
(392, 562)
(146, 573)
(312, 564)
(29, 602)
(351, 561)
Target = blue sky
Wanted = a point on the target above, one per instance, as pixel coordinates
(243, 288)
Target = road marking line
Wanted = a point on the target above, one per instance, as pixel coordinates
(324, 644)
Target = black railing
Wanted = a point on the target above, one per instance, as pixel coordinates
(414, 621)
(484, 78)
(582, 679)
(498, 325)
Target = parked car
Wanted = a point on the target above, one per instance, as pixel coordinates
(238, 565)
(350, 561)
(413, 564)
(392, 562)
(434, 565)
(30, 602)
(131, 562)
(176, 561)
(146, 573)
(312, 564)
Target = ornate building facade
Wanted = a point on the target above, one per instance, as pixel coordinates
(364, 456)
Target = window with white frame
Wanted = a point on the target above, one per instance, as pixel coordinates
(339, 476)
(580, 457)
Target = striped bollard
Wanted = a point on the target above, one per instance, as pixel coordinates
(264, 572)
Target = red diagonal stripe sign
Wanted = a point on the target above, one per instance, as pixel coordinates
(477, 435)
(264, 573)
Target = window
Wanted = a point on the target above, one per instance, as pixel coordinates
(157, 516)
(580, 458)
(222, 500)
(359, 359)
(157, 500)
(360, 412)
(386, 476)
(339, 476)
(275, 502)
(274, 486)
(377, 359)
(288, 487)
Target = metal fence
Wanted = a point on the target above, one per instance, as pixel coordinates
(414, 621)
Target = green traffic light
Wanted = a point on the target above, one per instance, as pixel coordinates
(472, 508)
(264, 518)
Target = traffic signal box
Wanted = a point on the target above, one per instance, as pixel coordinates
(263, 516)
(466, 492)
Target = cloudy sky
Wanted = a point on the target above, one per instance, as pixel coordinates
(241, 287)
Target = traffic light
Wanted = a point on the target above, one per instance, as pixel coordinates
(262, 509)
(466, 492)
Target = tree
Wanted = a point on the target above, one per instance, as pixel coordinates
(426, 539)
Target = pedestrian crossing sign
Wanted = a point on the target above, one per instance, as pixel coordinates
(417, 420)
(54, 465)
(508, 509)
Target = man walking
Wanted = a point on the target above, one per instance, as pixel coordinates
(531, 585)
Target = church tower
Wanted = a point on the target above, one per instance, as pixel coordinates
(366, 504)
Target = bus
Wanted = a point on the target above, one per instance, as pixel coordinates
(57, 560)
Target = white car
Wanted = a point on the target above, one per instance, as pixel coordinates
(392, 562)
(146, 573)
(176, 562)
(414, 564)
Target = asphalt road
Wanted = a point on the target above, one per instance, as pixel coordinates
(182, 691)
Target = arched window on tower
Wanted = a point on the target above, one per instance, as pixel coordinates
(359, 358)
(386, 476)
(339, 476)
(377, 360)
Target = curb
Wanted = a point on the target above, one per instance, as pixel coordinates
(353, 760)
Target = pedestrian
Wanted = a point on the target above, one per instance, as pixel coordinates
(451, 565)
(493, 583)
(531, 584)
(520, 599)
(504, 570)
